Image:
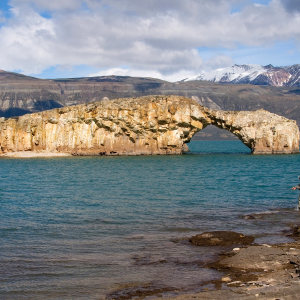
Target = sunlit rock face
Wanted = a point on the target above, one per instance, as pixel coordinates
(148, 125)
(260, 130)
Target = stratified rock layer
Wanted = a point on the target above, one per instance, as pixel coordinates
(148, 125)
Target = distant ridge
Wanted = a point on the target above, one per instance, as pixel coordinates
(254, 74)
(10, 76)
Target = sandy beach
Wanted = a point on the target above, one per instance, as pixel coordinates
(33, 154)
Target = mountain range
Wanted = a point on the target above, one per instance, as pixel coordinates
(253, 74)
(20, 94)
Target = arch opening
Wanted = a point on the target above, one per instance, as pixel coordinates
(213, 133)
(217, 140)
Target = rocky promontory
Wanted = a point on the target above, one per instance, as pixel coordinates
(149, 125)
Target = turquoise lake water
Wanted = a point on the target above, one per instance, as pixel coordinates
(96, 227)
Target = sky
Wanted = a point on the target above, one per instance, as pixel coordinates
(166, 39)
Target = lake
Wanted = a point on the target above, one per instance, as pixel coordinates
(96, 227)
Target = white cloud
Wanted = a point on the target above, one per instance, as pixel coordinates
(175, 76)
(26, 41)
(293, 6)
(216, 62)
(153, 36)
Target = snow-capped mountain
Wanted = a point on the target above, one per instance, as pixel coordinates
(253, 74)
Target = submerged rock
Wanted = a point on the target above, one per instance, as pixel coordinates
(295, 232)
(221, 238)
(250, 217)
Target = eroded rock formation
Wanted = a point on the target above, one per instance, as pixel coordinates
(260, 130)
(141, 126)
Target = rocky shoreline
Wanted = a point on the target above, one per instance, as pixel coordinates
(248, 271)
(255, 272)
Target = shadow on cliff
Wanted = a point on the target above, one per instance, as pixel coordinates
(37, 107)
(14, 112)
(145, 87)
(297, 92)
(46, 105)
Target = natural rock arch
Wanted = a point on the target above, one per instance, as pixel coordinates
(142, 126)
(261, 131)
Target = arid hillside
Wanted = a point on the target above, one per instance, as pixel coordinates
(21, 94)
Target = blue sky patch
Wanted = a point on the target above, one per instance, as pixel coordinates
(66, 72)
(4, 6)
(237, 7)
(279, 54)
(46, 15)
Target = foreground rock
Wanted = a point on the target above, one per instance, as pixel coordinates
(148, 125)
(261, 272)
(221, 238)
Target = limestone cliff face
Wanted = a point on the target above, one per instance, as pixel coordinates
(260, 130)
(141, 126)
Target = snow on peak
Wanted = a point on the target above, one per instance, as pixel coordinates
(253, 74)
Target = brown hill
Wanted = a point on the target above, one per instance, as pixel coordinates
(20, 94)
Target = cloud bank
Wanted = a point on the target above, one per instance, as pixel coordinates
(154, 37)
